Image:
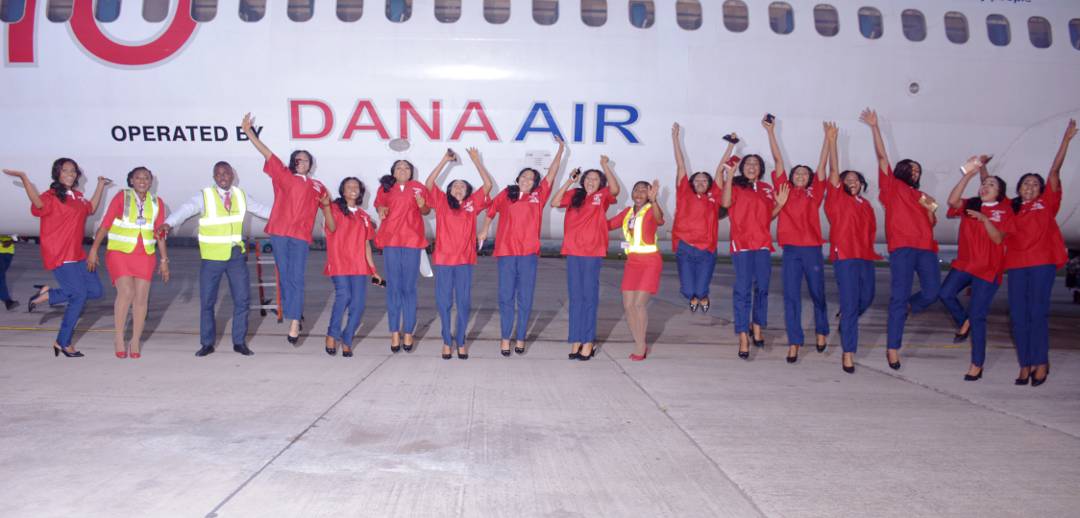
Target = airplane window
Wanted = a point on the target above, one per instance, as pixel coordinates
(448, 11)
(1074, 32)
(870, 24)
(203, 10)
(58, 10)
(642, 13)
(252, 10)
(496, 11)
(107, 10)
(826, 20)
(300, 10)
(349, 10)
(914, 24)
(956, 27)
(1039, 32)
(997, 28)
(736, 15)
(594, 12)
(546, 12)
(398, 11)
(688, 14)
(781, 17)
(155, 11)
(12, 10)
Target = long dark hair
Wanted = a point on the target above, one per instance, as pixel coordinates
(579, 194)
(514, 192)
(1018, 201)
(451, 200)
(340, 201)
(387, 181)
(862, 181)
(905, 172)
(707, 177)
(292, 160)
(59, 189)
(741, 180)
(975, 202)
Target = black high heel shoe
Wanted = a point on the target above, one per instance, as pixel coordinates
(461, 355)
(30, 305)
(408, 347)
(693, 307)
(292, 339)
(704, 307)
(583, 357)
(958, 337)
(519, 350)
(332, 351)
(504, 352)
(394, 348)
(448, 355)
(346, 351)
(893, 365)
(793, 359)
(977, 377)
(1035, 382)
(78, 354)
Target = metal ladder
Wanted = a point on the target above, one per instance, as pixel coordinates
(264, 304)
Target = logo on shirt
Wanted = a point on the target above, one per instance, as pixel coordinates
(416, 191)
(596, 199)
(534, 197)
(468, 206)
(995, 215)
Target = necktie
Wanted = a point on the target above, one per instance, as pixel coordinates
(228, 201)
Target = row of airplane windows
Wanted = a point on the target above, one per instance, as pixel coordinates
(688, 15)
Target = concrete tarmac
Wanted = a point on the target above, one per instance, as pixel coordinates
(692, 431)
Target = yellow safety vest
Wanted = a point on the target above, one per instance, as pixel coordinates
(220, 229)
(633, 237)
(126, 229)
(7, 245)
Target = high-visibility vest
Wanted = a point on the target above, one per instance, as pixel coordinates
(7, 245)
(219, 229)
(126, 229)
(633, 237)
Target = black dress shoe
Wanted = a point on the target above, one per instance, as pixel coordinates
(893, 365)
(520, 350)
(705, 307)
(292, 339)
(957, 338)
(394, 348)
(332, 351)
(585, 358)
(759, 343)
(1035, 382)
(793, 359)
(505, 352)
(447, 356)
(821, 348)
(461, 355)
(744, 355)
(977, 377)
(408, 347)
(242, 349)
(10, 304)
(205, 350)
(1021, 381)
(849, 370)
(693, 307)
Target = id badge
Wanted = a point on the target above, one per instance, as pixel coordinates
(624, 245)
(141, 221)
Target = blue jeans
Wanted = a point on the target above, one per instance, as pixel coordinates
(804, 262)
(695, 270)
(982, 294)
(517, 280)
(583, 288)
(904, 264)
(855, 281)
(350, 291)
(1029, 308)
(453, 285)
(290, 255)
(210, 272)
(402, 270)
(751, 289)
(5, 262)
(77, 285)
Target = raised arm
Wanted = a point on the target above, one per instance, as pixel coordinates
(870, 117)
(969, 170)
(556, 200)
(680, 160)
(657, 210)
(474, 155)
(723, 160)
(250, 133)
(823, 160)
(727, 173)
(553, 169)
(832, 134)
(609, 172)
(983, 172)
(1053, 180)
(774, 145)
(31, 191)
(447, 157)
(99, 191)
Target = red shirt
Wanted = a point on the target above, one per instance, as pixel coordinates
(648, 226)
(852, 225)
(404, 225)
(346, 246)
(976, 253)
(455, 230)
(751, 215)
(1037, 239)
(907, 224)
(585, 229)
(62, 228)
(696, 216)
(296, 200)
(800, 219)
(116, 210)
(519, 221)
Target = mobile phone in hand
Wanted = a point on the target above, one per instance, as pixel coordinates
(380, 282)
(769, 118)
(731, 138)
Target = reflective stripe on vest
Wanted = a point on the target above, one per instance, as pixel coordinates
(125, 230)
(219, 229)
(633, 237)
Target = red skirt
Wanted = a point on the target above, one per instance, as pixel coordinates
(642, 272)
(136, 264)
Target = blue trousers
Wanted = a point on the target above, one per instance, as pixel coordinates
(517, 282)
(751, 289)
(77, 285)
(583, 290)
(350, 292)
(804, 262)
(855, 280)
(5, 262)
(695, 270)
(236, 271)
(290, 254)
(402, 269)
(982, 294)
(453, 285)
(904, 264)
(1029, 309)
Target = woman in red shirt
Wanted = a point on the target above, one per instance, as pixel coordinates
(63, 212)
(585, 244)
(909, 231)
(297, 198)
(455, 247)
(1033, 253)
(349, 232)
(641, 273)
(520, 209)
(798, 232)
(986, 220)
(752, 206)
(131, 222)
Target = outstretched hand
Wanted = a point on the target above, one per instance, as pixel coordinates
(604, 161)
(676, 130)
(17, 174)
(782, 193)
(247, 122)
(831, 131)
(869, 117)
(324, 200)
(1070, 129)
(654, 190)
(420, 202)
(474, 154)
(977, 215)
